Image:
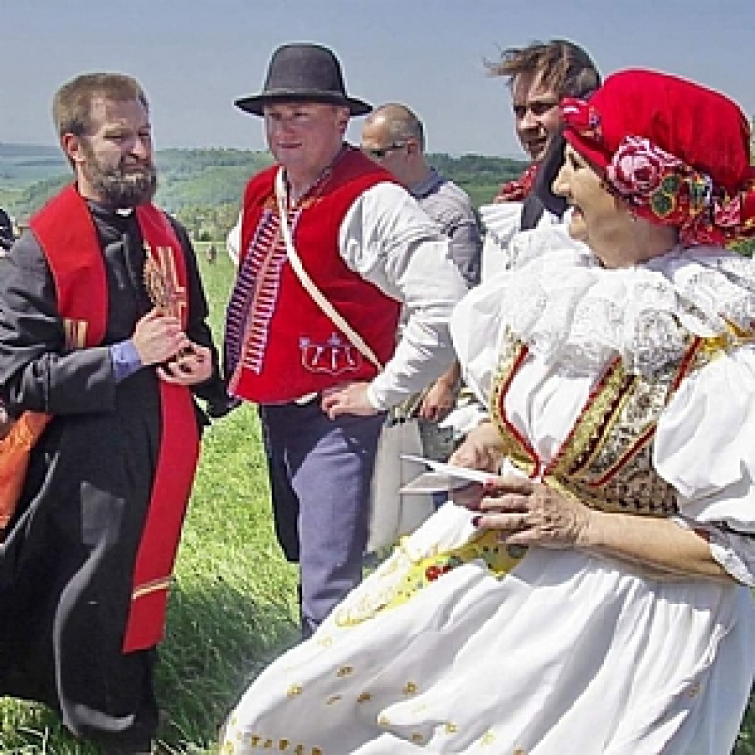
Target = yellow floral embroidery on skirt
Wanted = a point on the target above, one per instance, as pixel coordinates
(498, 557)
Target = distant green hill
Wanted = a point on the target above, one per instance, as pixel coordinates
(203, 187)
(30, 174)
(26, 163)
(205, 177)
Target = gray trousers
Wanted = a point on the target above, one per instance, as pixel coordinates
(320, 475)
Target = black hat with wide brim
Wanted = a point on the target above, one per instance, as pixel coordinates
(303, 73)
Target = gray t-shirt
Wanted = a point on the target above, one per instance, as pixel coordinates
(450, 206)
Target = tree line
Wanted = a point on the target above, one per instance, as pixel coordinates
(203, 187)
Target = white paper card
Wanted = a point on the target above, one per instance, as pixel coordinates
(442, 477)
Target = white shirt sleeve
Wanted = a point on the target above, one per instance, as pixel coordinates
(391, 242)
(705, 447)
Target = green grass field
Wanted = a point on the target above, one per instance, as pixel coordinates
(233, 604)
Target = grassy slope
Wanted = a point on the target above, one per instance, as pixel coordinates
(233, 605)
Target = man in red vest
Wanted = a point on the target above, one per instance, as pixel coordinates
(327, 223)
(103, 336)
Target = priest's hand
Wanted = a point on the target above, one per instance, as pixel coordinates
(192, 365)
(158, 337)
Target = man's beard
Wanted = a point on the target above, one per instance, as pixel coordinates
(119, 187)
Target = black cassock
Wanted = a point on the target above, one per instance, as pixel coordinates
(67, 561)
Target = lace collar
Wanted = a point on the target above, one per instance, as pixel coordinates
(570, 311)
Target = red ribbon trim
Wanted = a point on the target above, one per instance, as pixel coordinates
(65, 224)
(176, 463)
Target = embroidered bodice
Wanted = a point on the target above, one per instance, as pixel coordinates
(606, 461)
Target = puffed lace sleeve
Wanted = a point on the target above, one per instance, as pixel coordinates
(479, 322)
(505, 246)
(705, 448)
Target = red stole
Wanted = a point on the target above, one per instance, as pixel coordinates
(63, 225)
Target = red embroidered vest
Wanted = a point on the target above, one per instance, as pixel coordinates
(289, 347)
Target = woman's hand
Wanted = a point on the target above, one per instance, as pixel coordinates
(481, 449)
(469, 496)
(530, 513)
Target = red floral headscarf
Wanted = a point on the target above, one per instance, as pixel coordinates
(678, 153)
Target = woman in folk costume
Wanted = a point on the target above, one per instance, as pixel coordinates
(620, 389)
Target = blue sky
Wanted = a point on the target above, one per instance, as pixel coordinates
(194, 57)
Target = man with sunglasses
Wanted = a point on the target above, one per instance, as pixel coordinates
(394, 137)
(539, 76)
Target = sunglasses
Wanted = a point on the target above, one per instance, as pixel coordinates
(380, 152)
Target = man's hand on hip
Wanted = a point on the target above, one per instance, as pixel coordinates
(347, 398)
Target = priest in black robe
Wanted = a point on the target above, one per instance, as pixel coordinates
(104, 343)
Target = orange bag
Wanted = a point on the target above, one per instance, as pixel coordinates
(15, 448)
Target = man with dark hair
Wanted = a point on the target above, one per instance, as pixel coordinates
(539, 76)
(104, 343)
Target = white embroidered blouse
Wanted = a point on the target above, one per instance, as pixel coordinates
(575, 316)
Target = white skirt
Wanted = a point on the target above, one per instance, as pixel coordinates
(567, 653)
